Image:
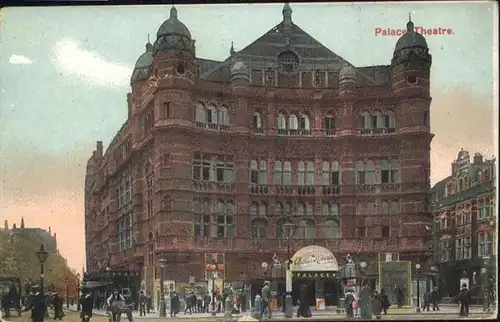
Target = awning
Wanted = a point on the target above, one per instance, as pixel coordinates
(94, 284)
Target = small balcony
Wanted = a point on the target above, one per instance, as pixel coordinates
(297, 132)
(213, 186)
(379, 131)
(331, 190)
(259, 189)
(257, 131)
(212, 126)
(330, 132)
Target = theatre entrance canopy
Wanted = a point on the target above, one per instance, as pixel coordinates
(314, 262)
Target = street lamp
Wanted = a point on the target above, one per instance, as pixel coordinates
(42, 257)
(484, 273)
(289, 230)
(78, 291)
(214, 276)
(67, 292)
(417, 266)
(363, 266)
(163, 263)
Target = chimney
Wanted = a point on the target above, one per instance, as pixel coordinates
(50, 231)
(22, 222)
(14, 226)
(129, 105)
(6, 225)
(99, 148)
(478, 158)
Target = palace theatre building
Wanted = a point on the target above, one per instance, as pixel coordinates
(216, 156)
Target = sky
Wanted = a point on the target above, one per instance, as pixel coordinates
(65, 72)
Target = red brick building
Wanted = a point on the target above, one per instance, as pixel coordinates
(216, 156)
(465, 223)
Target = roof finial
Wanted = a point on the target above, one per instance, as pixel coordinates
(148, 38)
(173, 12)
(22, 222)
(232, 51)
(287, 16)
(409, 24)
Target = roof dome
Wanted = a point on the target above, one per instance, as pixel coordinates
(173, 26)
(347, 71)
(238, 67)
(410, 39)
(143, 64)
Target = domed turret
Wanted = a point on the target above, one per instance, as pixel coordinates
(143, 65)
(347, 74)
(411, 43)
(173, 34)
(240, 75)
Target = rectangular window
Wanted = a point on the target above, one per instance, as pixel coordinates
(262, 179)
(386, 231)
(361, 232)
(206, 168)
(228, 170)
(198, 224)
(335, 178)
(220, 170)
(387, 122)
(374, 122)
(384, 176)
(197, 168)
(209, 116)
(287, 173)
(254, 176)
(361, 177)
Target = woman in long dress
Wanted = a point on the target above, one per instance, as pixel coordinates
(304, 310)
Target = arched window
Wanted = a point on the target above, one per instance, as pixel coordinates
(331, 209)
(254, 209)
(254, 172)
(148, 170)
(279, 209)
(263, 172)
(287, 208)
(278, 173)
(281, 122)
(259, 229)
(360, 209)
(330, 229)
(304, 123)
(378, 120)
(201, 114)
(360, 173)
(223, 117)
(370, 172)
(280, 229)
(329, 124)
(310, 173)
(211, 114)
(202, 213)
(300, 209)
(287, 173)
(225, 219)
(293, 122)
(257, 120)
(365, 121)
(306, 229)
(301, 173)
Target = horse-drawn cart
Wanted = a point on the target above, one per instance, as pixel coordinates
(117, 309)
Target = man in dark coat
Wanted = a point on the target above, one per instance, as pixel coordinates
(464, 299)
(365, 302)
(86, 303)
(174, 304)
(57, 303)
(435, 299)
(38, 306)
(142, 304)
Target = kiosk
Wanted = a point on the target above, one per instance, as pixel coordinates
(316, 264)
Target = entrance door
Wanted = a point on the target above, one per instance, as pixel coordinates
(331, 292)
(310, 294)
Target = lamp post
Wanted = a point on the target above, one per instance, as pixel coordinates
(484, 276)
(78, 291)
(67, 292)
(42, 257)
(214, 276)
(289, 230)
(417, 266)
(163, 263)
(362, 272)
(108, 279)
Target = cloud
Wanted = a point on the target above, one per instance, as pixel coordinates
(71, 59)
(20, 60)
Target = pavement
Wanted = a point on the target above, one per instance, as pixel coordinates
(446, 312)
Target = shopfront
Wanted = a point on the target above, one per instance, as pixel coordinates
(317, 268)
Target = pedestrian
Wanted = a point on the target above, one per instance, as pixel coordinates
(206, 302)
(174, 304)
(464, 299)
(86, 304)
(112, 301)
(435, 299)
(142, 304)
(304, 310)
(376, 304)
(365, 301)
(266, 297)
(38, 306)
(57, 303)
(350, 303)
(384, 301)
(148, 303)
(400, 297)
(427, 301)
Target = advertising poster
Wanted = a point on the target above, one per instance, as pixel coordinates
(214, 265)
